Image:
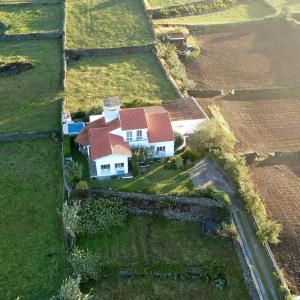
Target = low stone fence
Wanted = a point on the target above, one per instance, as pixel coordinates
(32, 36)
(26, 4)
(76, 54)
(26, 136)
(286, 154)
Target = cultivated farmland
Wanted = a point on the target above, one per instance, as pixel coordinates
(134, 77)
(32, 252)
(248, 57)
(107, 24)
(30, 100)
(158, 243)
(31, 19)
(241, 13)
(278, 181)
(264, 125)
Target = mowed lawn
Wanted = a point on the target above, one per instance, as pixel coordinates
(30, 100)
(241, 13)
(131, 77)
(162, 3)
(32, 19)
(155, 242)
(107, 24)
(292, 6)
(32, 251)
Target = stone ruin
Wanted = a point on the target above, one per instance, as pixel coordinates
(8, 69)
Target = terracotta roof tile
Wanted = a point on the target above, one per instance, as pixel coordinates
(133, 118)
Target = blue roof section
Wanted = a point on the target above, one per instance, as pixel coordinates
(75, 127)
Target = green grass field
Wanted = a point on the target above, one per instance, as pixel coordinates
(107, 24)
(32, 251)
(162, 3)
(293, 6)
(158, 241)
(241, 13)
(155, 180)
(131, 77)
(41, 18)
(30, 100)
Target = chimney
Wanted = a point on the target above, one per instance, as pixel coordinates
(111, 108)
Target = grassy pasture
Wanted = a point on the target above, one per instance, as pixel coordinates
(32, 252)
(30, 100)
(32, 19)
(107, 24)
(292, 6)
(241, 13)
(131, 77)
(162, 3)
(157, 241)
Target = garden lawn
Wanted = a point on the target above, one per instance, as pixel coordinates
(32, 251)
(155, 242)
(241, 13)
(107, 24)
(32, 19)
(162, 3)
(155, 180)
(131, 77)
(292, 6)
(31, 100)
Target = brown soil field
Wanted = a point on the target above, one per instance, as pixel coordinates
(277, 180)
(248, 57)
(264, 125)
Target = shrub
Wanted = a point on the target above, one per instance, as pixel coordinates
(142, 154)
(70, 216)
(179, 163)
(101, 215)
(188, 154)
(73, 173)
(85, 264)
(67, 146)
(230, 229)
(178, 140)
(70, 290)
(82, 185)
(269, 232)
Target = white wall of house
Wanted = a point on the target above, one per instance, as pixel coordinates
(136, 140)
(169, 149)
(111, 160)
(185, 127)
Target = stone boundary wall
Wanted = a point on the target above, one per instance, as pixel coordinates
(64, 59)
(149, 18)
(26, 136)
(109, 51)
(32, 36)
(286, 154)
(26, 4)
(202, 202)
(246, 271)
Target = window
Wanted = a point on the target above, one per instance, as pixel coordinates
(161, 149)
(119, 165)
(139, 135)
(129, 136)
(105, 169)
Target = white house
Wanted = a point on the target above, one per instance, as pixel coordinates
(109, 138)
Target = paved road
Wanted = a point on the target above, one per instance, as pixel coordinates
(206, 172)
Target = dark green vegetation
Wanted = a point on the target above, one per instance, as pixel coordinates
(30, 100)
(32, 254)
(31, 19)
(160, 244)
(136, 78)
(107, 24)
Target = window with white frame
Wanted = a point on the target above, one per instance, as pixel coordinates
(119, 165)
(129, 136)
(139, 135)
(161, 149)
(105, 169)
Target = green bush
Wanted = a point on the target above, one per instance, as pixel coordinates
(67, 146)
(70, 216)
(101, 215)
(269, 232)
(231, 230)
(178, 140)
(189, 154)
(179, 163)
(73, 173)
(85, 264)
(82, 185)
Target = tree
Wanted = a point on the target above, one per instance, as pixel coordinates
(269, 232)
(70, 290)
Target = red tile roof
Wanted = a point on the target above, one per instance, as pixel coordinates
(133, 118)
(104, 143)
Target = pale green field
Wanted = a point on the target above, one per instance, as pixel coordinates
(293, 6)
(162, 3)
(107, 24)
(240, 13)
